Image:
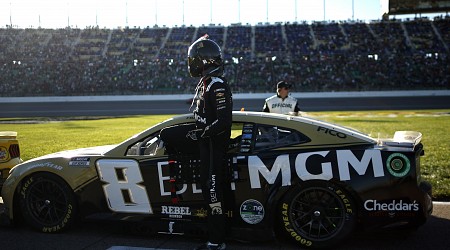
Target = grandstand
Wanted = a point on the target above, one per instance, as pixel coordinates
(321, 56)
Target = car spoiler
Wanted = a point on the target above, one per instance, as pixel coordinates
(8, 135)
(404, 139)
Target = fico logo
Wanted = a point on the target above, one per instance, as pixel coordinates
(345, 160)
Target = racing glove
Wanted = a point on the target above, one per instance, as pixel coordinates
(196, 134)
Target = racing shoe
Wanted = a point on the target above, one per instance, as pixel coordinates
(211, 246)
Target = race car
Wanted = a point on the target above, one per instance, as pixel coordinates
(288, 176)
(9, 153)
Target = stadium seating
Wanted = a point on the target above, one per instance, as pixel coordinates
(321, 56)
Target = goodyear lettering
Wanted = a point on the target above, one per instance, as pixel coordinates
(287, 227)
(345, 160)
(60, 226)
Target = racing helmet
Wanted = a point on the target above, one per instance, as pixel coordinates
(205, 58)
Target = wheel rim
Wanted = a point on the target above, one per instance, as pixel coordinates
(317, 213)
(47, 202)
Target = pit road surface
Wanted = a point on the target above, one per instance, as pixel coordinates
(435, 234)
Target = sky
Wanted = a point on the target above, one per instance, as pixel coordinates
(143, 13)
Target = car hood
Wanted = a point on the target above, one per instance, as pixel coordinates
(98, 150)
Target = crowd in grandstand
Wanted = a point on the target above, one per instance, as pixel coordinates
(344, 56)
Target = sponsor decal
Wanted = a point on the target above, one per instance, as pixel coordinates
(175, 212)
(171, 226)
(216, 208)
(171, 229)
(345, 161)
(252, 211)
(79, 162)
(202, 213)
(130, 195)
(331, 132)
(392, 214)
(212, 190)
(4, 155)
(394, 205)
(166, 178)
(398, 165)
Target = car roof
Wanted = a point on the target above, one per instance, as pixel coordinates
(306, 125)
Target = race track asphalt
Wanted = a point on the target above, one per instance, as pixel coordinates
(97, 107)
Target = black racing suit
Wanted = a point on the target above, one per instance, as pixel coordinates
(213, 116)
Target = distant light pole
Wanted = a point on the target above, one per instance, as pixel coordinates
(353, 10)
(267, 11)
(239, 11)
(10, 14)
(126, 13)
(324, 10)
(68, 15)
(295, 10)
(156, 12)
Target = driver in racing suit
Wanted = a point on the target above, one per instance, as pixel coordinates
(213, 116)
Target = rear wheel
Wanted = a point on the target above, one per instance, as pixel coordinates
(317, 214)
(47, 203)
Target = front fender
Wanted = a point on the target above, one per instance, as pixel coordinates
(73, 176)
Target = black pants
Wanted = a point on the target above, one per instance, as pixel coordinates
(213, 178)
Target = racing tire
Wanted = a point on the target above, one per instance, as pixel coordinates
(47, 203)
(317, 214)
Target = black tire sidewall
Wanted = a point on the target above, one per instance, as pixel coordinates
(26, 190)
(289, 231)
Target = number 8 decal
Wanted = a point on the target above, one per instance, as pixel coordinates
(122, 189)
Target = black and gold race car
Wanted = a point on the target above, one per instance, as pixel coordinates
(311, 181)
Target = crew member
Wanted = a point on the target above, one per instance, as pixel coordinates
(213, 116)
(282, 102)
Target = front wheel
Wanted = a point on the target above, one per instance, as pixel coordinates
(317, 214)
(47, 203)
